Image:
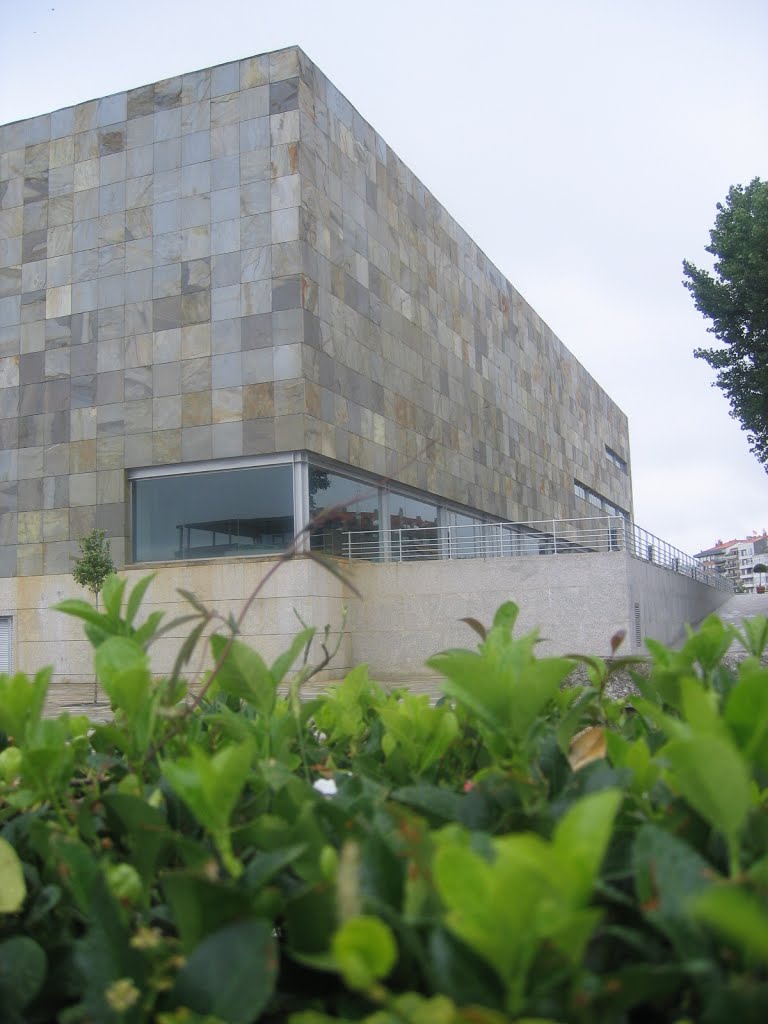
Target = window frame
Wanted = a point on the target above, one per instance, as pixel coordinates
(299, 483)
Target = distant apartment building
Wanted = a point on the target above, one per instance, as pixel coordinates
(735, 560)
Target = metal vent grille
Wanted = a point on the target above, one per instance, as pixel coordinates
(6, 623)
(638, 629)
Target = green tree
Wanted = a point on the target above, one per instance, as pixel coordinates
(735, 299)
(91, 570)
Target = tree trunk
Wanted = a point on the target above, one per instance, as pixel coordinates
(95, 678)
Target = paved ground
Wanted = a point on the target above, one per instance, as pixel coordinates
(740, 607)
(80, 700)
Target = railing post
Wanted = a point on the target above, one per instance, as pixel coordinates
(554, 537)
(400, 543)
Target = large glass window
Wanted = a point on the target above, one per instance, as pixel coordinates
(206, 515)
(467, 536)
(414, 528)
(346, 514)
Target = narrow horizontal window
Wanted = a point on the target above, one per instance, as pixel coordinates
(616, 459)
(598, 500)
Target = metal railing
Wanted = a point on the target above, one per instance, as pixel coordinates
(507, 540)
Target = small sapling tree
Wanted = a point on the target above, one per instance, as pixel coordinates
(91, 570)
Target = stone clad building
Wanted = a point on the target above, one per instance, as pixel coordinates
(225, 303)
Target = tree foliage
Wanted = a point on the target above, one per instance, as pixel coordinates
(91, 570)
(735, 299)
(95, 561)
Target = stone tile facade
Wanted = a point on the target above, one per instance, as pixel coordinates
(233, 262)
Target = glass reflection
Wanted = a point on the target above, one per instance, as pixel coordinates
(467, 537)
(346, 515)
(207, 515)
(414, 528)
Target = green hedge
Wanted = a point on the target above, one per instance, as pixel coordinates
(519, 851)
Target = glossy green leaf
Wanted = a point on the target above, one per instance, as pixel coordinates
(461, 974)
(668, 873)
(284, 661)
(712, 776)
(736, 914)
(708, 643)
(419, 732)
(202, 906)
(22, 699)
(636, 757)
(80, 609)
(746, 713)
(504, 685)
(141, 827)
(244, 674)
(701, 710)
(148, 630)
(365, 951)
(13, 888)
(265, 865)
(49, 758)
(754, 635)
(23, 966)
(492, 907)
(231, 973)
(116, 655)
(210, 786)
(79, 869)
(136, 596)
(104, 956)
(581, 839)
(431, 801)
(123, 668)
(112, 595)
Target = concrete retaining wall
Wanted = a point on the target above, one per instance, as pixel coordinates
(407, 611)
(413, 609)
(42, 636)
(667, 601)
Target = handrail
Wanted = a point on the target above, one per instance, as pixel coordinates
(540, 537)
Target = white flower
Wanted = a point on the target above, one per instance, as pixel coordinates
(325, 786)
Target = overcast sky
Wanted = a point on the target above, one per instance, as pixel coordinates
(583, 145)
